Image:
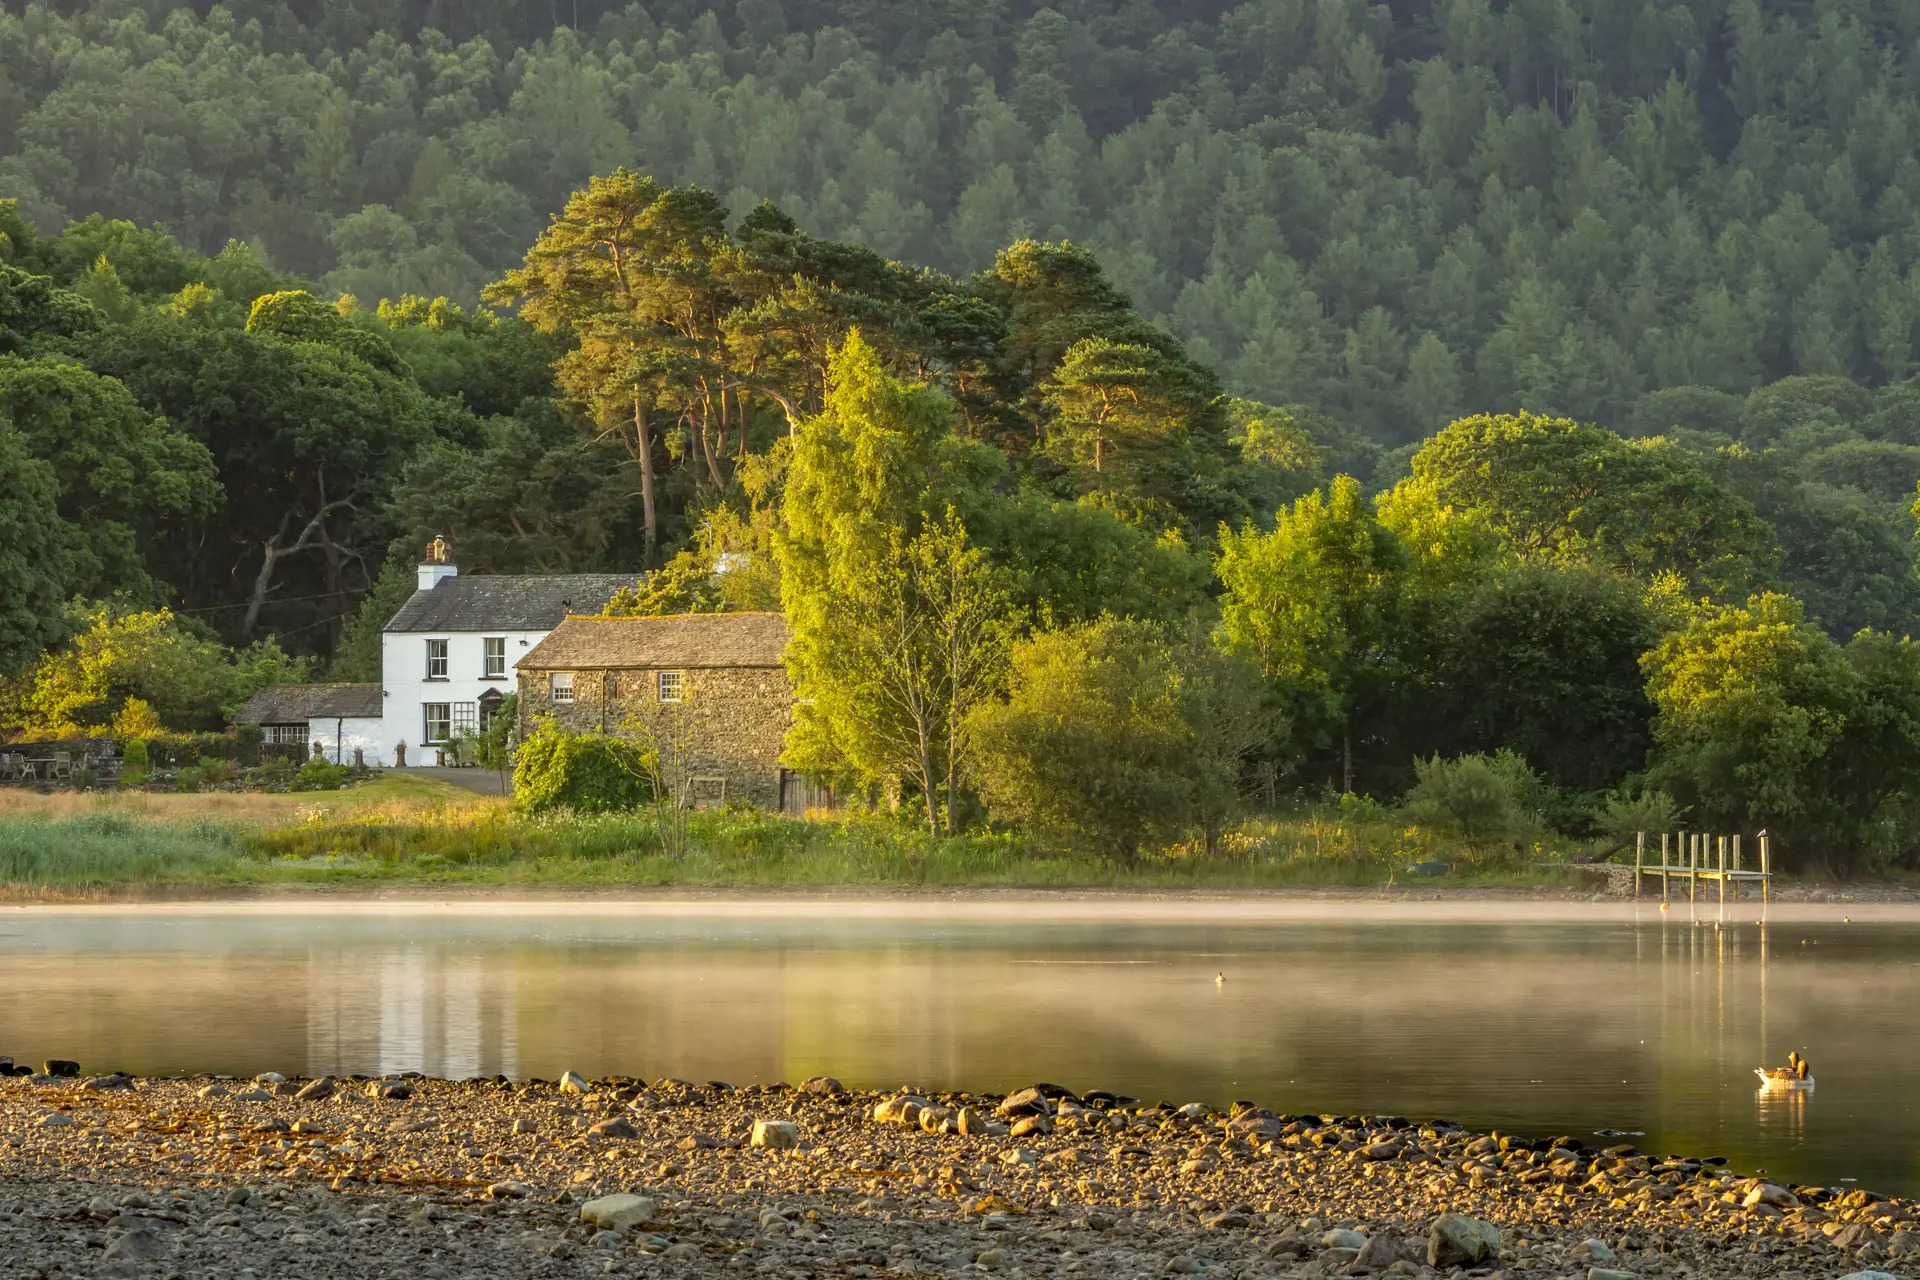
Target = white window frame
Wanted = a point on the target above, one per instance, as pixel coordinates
(669, 686)
(493, 664)
(560, 686)
(466, 718)
(429, 719)
(437, 656)
(287, 734)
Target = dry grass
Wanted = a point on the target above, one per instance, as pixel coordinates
(392, 795)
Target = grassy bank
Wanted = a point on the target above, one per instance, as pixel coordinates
(400, 831)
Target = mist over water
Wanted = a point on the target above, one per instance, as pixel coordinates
(1567, 1019)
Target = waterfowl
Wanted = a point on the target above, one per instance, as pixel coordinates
(1795, 1075)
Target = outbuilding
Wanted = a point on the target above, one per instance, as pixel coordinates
(707, 690)
(339, 718)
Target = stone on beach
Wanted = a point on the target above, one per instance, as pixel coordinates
(574, 1082)
(1593, 1251)
(619, 1212)
(776, 1135)
(614, 1128)
(315, 1090)
(1455, 1238)
(64, 1068)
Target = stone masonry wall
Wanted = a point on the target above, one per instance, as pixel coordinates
(728, 728)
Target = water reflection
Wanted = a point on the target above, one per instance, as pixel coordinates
(1637, 1021)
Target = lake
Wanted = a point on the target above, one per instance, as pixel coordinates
(1571, 1018)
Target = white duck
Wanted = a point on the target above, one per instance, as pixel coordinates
(1795, 1075)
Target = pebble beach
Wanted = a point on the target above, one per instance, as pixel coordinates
(354, 1179)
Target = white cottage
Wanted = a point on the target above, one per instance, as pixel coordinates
(452, 653)
(448, 659)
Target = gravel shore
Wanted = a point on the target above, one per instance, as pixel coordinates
(356, 1179)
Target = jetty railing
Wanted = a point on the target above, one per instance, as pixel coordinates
(1701, 856)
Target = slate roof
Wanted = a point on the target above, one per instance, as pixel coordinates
(507, 602)
(299, 703)
(681, 640)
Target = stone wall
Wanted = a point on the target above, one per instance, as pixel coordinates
(724, 736)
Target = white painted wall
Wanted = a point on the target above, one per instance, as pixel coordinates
(406, 689)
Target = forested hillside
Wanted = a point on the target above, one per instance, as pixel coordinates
(1148, 316)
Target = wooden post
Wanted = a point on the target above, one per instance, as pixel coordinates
(1665, 886)
(1639, 857)
(1736, 866)
(1766, 870)
(1693, 867)
(1721, 849)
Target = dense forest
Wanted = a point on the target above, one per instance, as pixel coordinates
(286, 288)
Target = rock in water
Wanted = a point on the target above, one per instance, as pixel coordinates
(618, 1212)
(574, 1082)
(60, 1067)
(776, 1135)
(1456, 1238)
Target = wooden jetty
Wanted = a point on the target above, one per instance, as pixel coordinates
(1701, 856)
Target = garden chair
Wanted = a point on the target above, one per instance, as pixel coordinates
(9, 767)
(62, 766)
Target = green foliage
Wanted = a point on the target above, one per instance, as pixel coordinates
(134, 765)
(320, 775)
(211, 771)
(582, 772)
(1568, 494)
(1482, 800)
(1112, 737)
(1631, 810)
(1764, 721)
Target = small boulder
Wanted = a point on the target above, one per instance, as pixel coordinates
(1388, 1150)
(904, 1108)
(822, 1084)
(1592, 1251)
(315, 1090)
(1024, 1102)
(213, 1091)
(511, 1189)
(1342, 1238)
(56, 1120)
(115, 1083)
(1770, 1194)
(1609, 1273)
(135, 1246)
(775, 1135)
(975, 1123)
(1032, 1126)
(1455, 1239)
(618, 1212)
(65, 1068)
(1867, 1275)
(269, 1078)
(935, 1119)
(1382, 1251)
(614, 1128)
(389, 1090)
(574, 1082)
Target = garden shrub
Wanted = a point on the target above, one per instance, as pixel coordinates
(1482, 800)
(134, 765)
(586, 772)
(320, 775)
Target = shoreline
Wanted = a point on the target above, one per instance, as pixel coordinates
(356, 1177)
(1250, 906)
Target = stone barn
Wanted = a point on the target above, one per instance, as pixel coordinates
(705, 689)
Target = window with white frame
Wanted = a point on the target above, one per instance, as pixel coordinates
(439, 721)
(436, 659)
(560, 686)
(494, 665)
(291, 734)
(669, 686)
(466, 717)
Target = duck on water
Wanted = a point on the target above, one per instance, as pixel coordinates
(1795, 1075)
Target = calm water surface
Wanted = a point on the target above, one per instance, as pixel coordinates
(1571, 1020)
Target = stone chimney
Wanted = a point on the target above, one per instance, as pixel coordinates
(438, 564)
